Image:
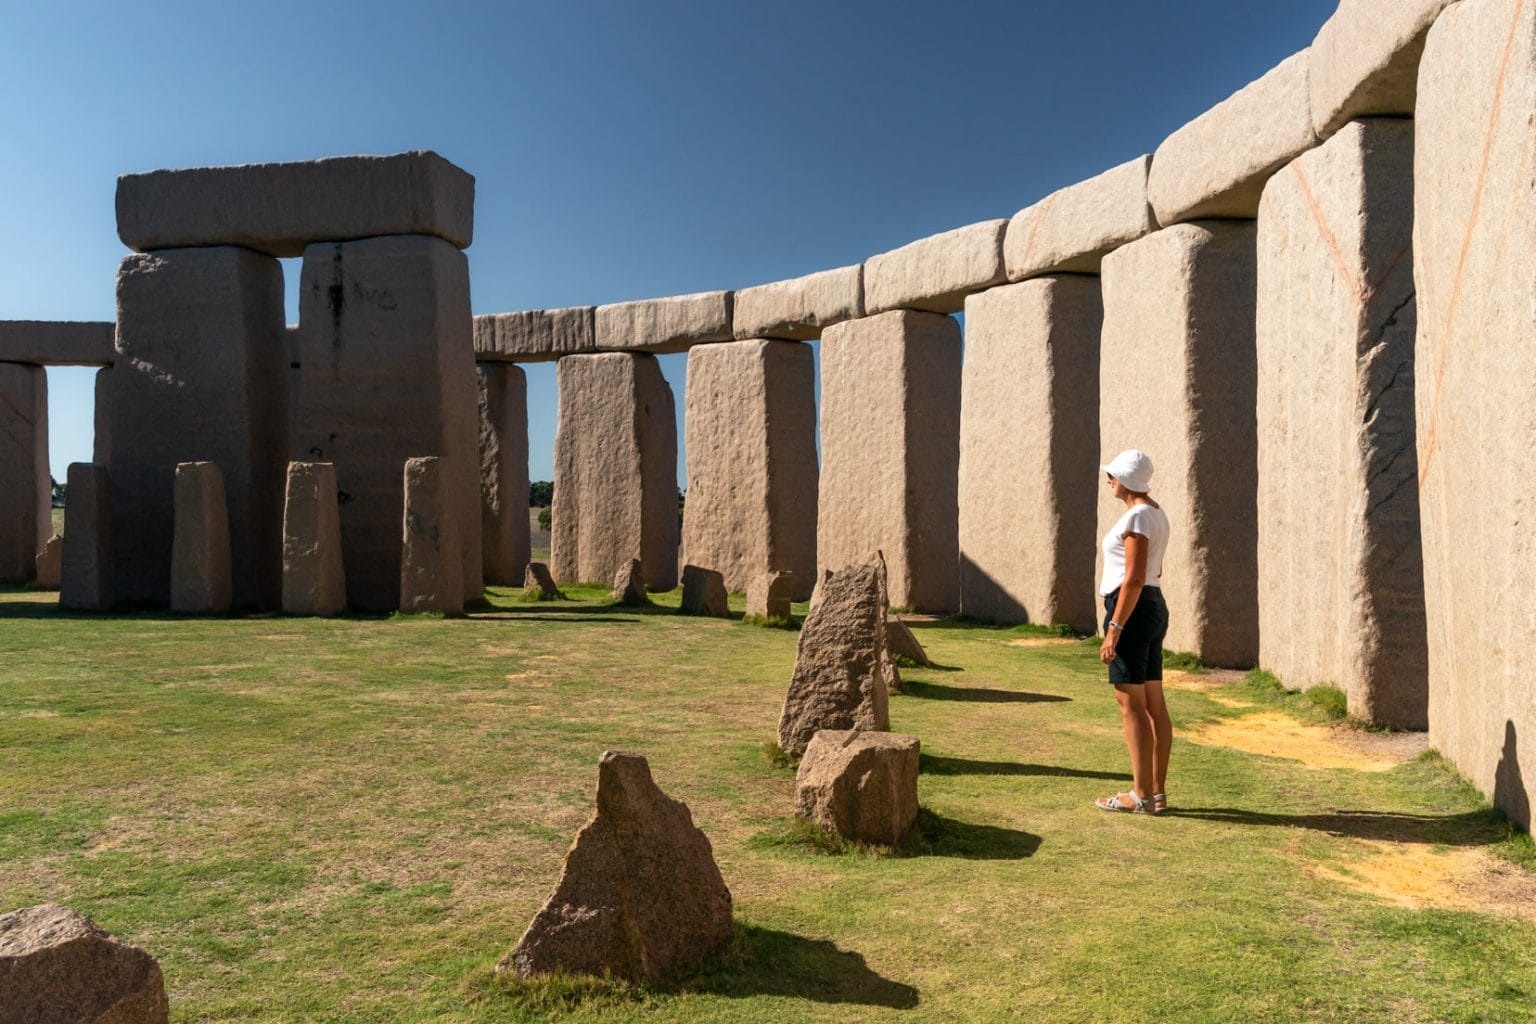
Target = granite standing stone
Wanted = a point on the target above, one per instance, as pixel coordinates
(770, 595)
(1341, 582)
(938, 272)
(860, 785)
(388, 369)
(890, 448)
(629, 585)
(58, 967)
(615, 470)
(26, 491)
(704, 593)
(1029, 452)
(430, 566)
(200, 561)
(752, 473)
(50, 564)
(504, 533)
(202, 376)
(538, 582)
(1177, 381)
(314, 579)
(87, 580)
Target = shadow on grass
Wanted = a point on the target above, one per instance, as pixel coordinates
(977, 694)
(768, 962)
(950, 837)
(931, 764)
(1471, 828)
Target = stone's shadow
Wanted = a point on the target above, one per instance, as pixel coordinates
(932, 764)
(769, 962)
(981, 695)
(1472, 828)
(564, 620)
(950, 837)
(1508, 785)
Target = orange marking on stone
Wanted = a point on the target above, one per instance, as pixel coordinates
(1034, 229)
(1335, 250)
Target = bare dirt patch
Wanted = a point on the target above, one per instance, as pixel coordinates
(1043, 641)
(1418, 876)
(1277, 734)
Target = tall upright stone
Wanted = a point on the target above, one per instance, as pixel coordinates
(504, 533)
(1029, 446)
(429, 552)
(1177, 381)
(26, 493)
(752, 473)
(314, 579)
(87, 580)
(1341, 581)
(890, 449)
(1474, 250)
(101, 440)
(200, 564)
(388, 373)
(201, 376)
(615, 470)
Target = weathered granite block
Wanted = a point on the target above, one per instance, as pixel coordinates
(1029, 444)
(58, 967)
(388, 371)
(1071, 229)
(672, 324)
(201, 376)
(200, 566)
(504, 534)
(800, 309)
(1474, 253)
(890, 446)
(770, 595)
(535, 335)
(615, 470)
(57, 342)
(87, 580)
(938, 272)
(1177, 381)
(430, 564)
(860, 785)
(50, 564)
(752, 474)
(1341, 582)
(704, 593)
(314, 580)
(26, 492)
(1217, 164)
(1365, 60)
(101, 439)
(279, 209)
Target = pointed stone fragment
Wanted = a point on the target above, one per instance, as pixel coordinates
(58, 967)
(899, 635)
(629, 585)
(50, 563)
(537, 580)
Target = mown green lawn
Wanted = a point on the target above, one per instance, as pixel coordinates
(352, 820)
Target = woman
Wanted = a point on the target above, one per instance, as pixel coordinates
(1136, 620)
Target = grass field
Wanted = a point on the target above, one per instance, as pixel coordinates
(352, 820)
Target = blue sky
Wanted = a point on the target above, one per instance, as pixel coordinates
(622, 149)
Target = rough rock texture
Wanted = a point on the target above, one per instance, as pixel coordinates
(57, 342)
(50, 564)
(1365, 60)
(672, 324)
(860, 785)
(1474, 244)
(704, 593)
(200, 563)
(1341, 582)
(314, 578)
(1178, 383)
(537, 580)
(87, 581)
(770, 594)
(752, 473)
(1029, 445)
(801, 308)
(639, 896)
(629, 584)
(535, 335)
(890, 449)
(615, 470)
(101, 443)
(279, 209)
(938, 272)
(1072, 229)
(504, 533)
(388, 370)
(26, 493)
(202, 375)
(58, 967)
(430, 566)
(843, 669)
(1217, 164)
(899, 638)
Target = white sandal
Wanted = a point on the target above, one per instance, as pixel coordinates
(1113, 805)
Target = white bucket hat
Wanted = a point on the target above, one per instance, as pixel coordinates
(1133, 469)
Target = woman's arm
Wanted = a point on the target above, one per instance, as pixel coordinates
(1130, 592)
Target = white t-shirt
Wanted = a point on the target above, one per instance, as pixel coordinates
(1152, 523)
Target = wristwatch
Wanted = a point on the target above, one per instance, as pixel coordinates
(1115, 625)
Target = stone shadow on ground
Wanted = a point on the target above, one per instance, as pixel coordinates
(933, 764)
(769, 962)
(1471, 828)
(977, 694)
(943, 836)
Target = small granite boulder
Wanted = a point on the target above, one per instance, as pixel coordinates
(537, 582)
(58, 967)
(899, 635)
(50, 564)
(704, 593)
(843, 669)
(770, 595)
(639, 897)
(629, 585)
(861, 785)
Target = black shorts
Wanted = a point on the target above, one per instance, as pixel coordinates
(1139, 654)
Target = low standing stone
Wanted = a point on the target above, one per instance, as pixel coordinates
(899, 635)
(537, 580)
(704, 593)
(88, 580)
(431, 565)
(639, 897)
(629, 585)
(314, 581)
(861, 785)
(58, 967)
(769, 595)
(201, 578)
(50, 564)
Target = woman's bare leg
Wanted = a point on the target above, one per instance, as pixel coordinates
(1138, 736)
(1162, 734)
